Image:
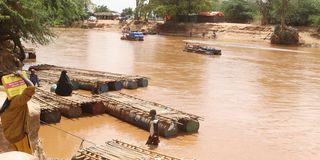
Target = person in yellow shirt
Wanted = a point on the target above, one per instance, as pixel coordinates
(15, 115)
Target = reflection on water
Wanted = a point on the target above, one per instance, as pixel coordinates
(257, 103)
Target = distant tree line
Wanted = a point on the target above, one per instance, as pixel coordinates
(162, 8)
(293, 12)
(101, 8)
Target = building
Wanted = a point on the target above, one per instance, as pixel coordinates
(107, 15)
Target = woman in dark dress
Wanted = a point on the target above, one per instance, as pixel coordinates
(64, 85)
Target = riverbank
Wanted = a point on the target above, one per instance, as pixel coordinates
(234, 32)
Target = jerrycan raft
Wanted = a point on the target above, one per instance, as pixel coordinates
(13, 85)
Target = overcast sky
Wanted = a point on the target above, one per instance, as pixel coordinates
(116, 5)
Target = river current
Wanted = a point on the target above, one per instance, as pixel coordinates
(259, 102)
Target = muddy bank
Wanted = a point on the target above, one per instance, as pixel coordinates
(236, 32)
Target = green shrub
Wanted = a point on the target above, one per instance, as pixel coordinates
(238, 11)
(315, 20)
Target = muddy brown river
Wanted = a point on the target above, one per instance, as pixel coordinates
(259, 102)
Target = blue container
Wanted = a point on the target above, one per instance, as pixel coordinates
(115, 86)
(103, 88)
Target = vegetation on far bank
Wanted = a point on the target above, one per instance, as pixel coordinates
(282, 12)
(296, 12)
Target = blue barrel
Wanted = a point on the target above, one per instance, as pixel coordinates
(130, 84)
(115, 86)
(143, 82)
(103, 88)
(75, 85)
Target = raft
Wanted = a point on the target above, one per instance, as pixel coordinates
(48, 112)
(133, 36)
(96, 81)
(66, 107)
(136, 111)
(70, 106)
(202, 49)
(138, 118)
(118, 150)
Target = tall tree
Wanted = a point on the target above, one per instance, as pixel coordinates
(238, 11)
(264, 7)
(127, 12)
(102, 8)
(283, 13)
(180, 7)
(23, 19)
(215, 5)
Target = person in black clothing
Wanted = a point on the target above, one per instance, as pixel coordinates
(154, 130)
(34, 78)
(64, 86)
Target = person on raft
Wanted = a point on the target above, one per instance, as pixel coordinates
(154, 130)
(14, 117)
(64, 85)
(34, 77)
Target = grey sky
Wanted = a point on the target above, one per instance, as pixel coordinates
(116, 5)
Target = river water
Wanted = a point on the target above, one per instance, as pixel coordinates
(258, 101)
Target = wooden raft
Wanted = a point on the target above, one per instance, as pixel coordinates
(113, 81)
(69, 106)
(117, 150)
(136, 111)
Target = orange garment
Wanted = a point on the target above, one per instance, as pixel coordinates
(24, 145)
(14, 118)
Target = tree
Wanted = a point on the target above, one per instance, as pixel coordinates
(238, 11)
(215, 5)
(65, 12)
(283, 13)
(283, 34)
(102, 8)
(30, 20)
(179, 7)
(300, 12)
(139, 5)
(264, 6)
(23, 19)
(127, 12)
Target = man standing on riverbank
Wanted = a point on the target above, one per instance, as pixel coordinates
(15, 118)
